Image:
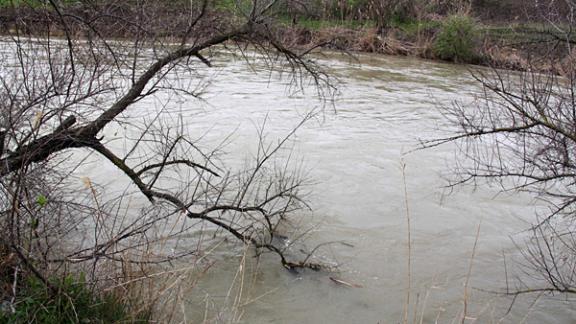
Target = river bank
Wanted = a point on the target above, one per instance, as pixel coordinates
(519, 47)
(458, 38)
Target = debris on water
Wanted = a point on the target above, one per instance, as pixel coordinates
(291, 269)
(345, 283)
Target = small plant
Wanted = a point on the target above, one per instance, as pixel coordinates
(457, 40)
(73, 302)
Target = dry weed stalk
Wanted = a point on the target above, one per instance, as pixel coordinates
(468, 276)
(409, 248)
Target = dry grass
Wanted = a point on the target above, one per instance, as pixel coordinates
(468, 275)
(409, 248)
(415, 309)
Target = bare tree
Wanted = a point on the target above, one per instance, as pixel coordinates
(521, 135)
(65, 84)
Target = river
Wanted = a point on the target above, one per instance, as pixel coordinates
(368, 179)
(354, 151)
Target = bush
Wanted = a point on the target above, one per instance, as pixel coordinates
(73, 303)
(457, 40)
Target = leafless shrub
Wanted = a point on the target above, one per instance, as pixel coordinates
(520, 134)
(65, 85)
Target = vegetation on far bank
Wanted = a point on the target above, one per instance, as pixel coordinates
(459, 37)
(510, 34)
(506, 34)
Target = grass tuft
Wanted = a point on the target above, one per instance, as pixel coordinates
(73, 302)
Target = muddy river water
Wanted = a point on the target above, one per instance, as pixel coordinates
(357, 152)
(354, 152)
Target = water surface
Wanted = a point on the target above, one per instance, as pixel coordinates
(355, 151)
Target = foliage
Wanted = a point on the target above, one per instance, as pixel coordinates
(318, 24)
(528, 32)
(30, 3)
(73, 302)
(9, 3)
(231, 5)
(411, 28)
(457, 40)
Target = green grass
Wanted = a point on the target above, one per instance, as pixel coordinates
(233, 6)
(412, 28)
(8, 3)
(73, 303)
(17, 3)
(317, 24)
(31, 3)
(523, 32)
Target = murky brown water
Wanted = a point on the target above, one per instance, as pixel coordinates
(355, 155)
(354, 152)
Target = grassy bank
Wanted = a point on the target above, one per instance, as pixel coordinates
(454, 38)
(510, 34)
(438, 33)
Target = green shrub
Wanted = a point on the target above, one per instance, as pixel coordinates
(457, 40)
(233, 6)
(30, 3)
(73, 303)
